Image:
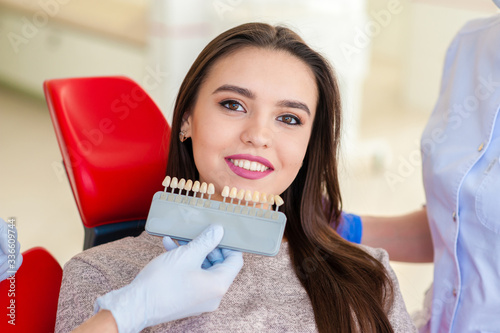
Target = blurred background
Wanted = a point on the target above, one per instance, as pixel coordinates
(388, 55)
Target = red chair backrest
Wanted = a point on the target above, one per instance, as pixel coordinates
(114, 142)
(29, 299)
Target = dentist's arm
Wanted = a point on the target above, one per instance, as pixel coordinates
(172, 286)
(406, 237)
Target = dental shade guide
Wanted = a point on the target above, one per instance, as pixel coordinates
(248, 226)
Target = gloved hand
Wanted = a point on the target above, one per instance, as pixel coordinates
(174, 285)
(10, 255)
(212, 258)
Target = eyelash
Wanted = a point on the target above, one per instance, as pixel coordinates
(230, 101)
(297, 119)
(225, 104)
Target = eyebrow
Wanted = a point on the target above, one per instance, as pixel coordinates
(242, 91)
(247, 93)
(294, 105)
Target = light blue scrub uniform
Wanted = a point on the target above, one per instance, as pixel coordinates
(461, 171)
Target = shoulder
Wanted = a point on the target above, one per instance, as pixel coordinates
(480, 25)
(377, 253)
(99, 270)
(398, 314)
(116, 261)
(129, 249)
(476, 38)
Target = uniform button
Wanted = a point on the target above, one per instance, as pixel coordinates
(454, 293)
(454, 216)
(481, 146)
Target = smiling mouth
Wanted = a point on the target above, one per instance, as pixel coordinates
(249, 165)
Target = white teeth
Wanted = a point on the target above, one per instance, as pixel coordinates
(252, 166)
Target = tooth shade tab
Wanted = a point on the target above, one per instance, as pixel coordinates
(256, 197)
(251, 198)
(270, 200)
(278, 201)
(211, 189)
(173, 184)
(225, 193)
(166, 182)
(189, 185)
(248, 196)
(249, 165)
(240, 195)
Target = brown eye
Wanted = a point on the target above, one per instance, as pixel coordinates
(289, 120)
(232, 105)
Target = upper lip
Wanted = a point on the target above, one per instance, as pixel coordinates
(252, 158)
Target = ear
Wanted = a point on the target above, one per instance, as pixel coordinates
(186, 124)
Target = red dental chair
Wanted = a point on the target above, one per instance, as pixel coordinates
(29, 299)
(114, 143)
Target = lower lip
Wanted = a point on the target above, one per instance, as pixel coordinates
(247, 173)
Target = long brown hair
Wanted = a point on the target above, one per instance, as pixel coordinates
(349, 289)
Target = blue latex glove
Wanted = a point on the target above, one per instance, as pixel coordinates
(174, 285)
(212, 258)
(10, 250)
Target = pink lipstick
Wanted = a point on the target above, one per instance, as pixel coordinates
(240, 164)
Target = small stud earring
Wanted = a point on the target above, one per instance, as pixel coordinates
(182, 136)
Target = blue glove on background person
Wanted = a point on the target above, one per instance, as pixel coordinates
(10, 255)
(174, 285)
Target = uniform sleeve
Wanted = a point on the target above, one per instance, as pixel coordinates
(81, 285)
(350, 227)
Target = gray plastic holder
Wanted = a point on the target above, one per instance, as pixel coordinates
(246, 228)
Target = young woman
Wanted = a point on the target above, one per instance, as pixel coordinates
(260, 110)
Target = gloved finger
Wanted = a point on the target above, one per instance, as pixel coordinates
(4, 246)
(206, 242)
(215, 256)
(226, 252)
(169, 244)
(4, 266)
(206, 264)
(230, 267)
(5, 275)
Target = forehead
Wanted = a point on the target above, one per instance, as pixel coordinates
(269, 73)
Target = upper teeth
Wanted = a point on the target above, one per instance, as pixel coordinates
(250, 165)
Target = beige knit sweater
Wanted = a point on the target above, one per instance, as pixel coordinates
(266, 296)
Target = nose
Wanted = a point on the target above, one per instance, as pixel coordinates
(258, 134)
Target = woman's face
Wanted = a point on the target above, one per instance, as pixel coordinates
(251, 123)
